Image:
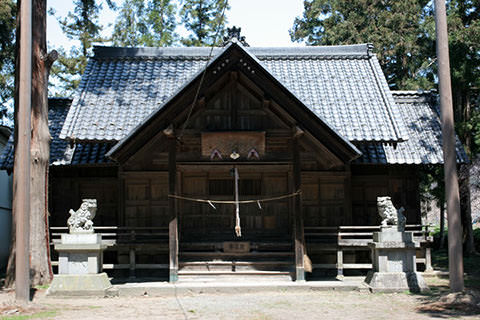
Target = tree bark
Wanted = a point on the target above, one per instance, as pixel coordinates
(442, 225)
(41, 270)
(466, 210)
(40, 266)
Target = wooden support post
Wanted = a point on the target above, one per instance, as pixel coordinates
(131, 254)
(428, 259)
(339, 257)
(21, 195)
(340, 263)
(173, 224)
(133, 262)
(297, 214)
(348, 219)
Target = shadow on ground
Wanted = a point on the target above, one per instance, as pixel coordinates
(440, 303)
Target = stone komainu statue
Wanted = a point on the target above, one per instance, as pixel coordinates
(80, 221)
(389, 214)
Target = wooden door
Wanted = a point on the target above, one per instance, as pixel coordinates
(201, 221)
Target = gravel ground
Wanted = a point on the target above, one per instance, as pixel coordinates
(265, 305)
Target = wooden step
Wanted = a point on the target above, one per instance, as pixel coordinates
(231, 254)
(236, 266)
(246, 272)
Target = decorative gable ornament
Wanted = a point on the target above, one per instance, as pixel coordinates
(234, 155)
(216, 155)
(253, 155)
(234, 33)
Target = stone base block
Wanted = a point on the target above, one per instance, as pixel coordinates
(396, 282)
(73, 285)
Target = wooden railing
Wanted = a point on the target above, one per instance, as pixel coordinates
(318, 239)
(127, 239)
(356, 238)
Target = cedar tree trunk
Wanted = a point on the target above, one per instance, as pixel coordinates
(40, 266)
(466, 210)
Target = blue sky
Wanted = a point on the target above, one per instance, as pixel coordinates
(264, 23)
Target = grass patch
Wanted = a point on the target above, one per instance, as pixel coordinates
(37, 315)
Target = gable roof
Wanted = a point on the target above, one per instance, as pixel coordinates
(337, 144)
(343, 85)
(421, 114)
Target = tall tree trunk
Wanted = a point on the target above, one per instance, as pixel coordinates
(442, 224)
(10, 276)
(40, 267)
(466, 210)
(41, 270)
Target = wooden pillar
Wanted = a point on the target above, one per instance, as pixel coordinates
(132, 262)
(348, 219)
(340, 263)
(172, 205)
(298, 214)
(121, 198)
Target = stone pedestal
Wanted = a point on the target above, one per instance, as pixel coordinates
(394, 262)
(80, 266)
(80, 253)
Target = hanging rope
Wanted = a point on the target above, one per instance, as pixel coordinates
(234, 202)
(218, 28)
(238, 229)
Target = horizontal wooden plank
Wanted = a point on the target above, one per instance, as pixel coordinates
(324, 265)
(357, 266)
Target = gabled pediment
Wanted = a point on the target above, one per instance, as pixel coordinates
(212, 101)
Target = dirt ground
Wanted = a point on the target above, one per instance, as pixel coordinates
(265, 305)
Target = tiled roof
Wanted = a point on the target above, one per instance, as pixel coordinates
(421, 116)
(342, 84)
(419, 111)
(60, 151)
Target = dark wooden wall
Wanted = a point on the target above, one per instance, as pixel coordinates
(69, 185)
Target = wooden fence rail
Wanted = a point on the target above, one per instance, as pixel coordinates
(356, 238)
(323, 239)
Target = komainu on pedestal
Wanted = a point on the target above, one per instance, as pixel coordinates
(81, 257)
(393, 254)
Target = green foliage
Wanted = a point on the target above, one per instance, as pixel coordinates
(83, 26)
(146, 23)
(202, 18)
(395, 28)
(7, 56)
(432, 184)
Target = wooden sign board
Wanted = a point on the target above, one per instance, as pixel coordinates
(236, 247)
(227, 142)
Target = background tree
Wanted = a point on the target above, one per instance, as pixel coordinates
(82, 25)
(149, 23)
(394, 27)
(403, 33)
(7, 58)
(201, 18)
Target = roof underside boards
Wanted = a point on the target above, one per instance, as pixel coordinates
(341, 84)
(421, 116)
